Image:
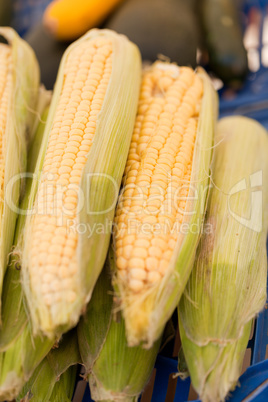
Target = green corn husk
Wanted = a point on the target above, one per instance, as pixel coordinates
(147, 312)
(14, 315)
(227, 287)
(20, 119)
(20, 352)
(100, 183)
(54, 378)
(19, 361)
(115, 371)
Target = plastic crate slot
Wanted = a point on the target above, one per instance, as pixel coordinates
(148, 392)
(246, 361)
(80, 391)
(171, 389)
(192, 394)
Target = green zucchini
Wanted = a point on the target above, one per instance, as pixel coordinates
(224, 40)
(5, 12)
(160, 27)
(48, 51)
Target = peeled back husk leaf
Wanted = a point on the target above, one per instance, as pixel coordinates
(98, 188)
(54, 378)
(22, 85)
(19, 361)
(115, 371)
(227, 287)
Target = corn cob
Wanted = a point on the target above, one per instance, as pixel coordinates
(20, 352)
(19, 85)
(54, 378)
(115, 371)
(159, 217)
(227, 286)
(83, 154)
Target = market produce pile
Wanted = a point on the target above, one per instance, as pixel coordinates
(123, 200)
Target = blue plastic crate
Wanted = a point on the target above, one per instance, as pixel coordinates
(27, 13)
(250, 101)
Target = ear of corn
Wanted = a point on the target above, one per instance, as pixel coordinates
(115, 371)
(160, 209)
(20, 351)
(227, 287)
(81, 163)
(18, 96)
(54, 378)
